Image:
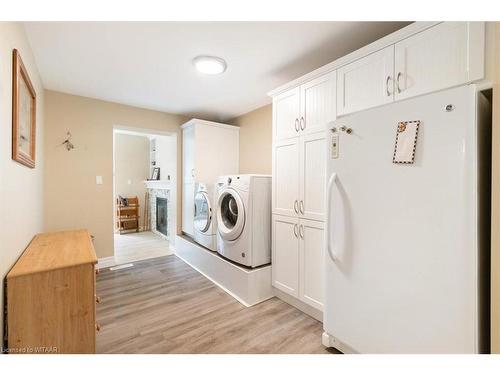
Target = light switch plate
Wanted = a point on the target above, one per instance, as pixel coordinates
(335, 146)
(98, 180)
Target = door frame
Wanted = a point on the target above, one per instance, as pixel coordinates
(174, 196)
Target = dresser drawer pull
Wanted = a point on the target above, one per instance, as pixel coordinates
(97, 299)
(97, 327)
(97, 271)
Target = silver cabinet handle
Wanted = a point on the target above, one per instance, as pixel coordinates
(301, 231)
(192, 172)
(397, 82)
(295, 231)
(301, 207)
(296, 206)
(387, 85)
(297, 125)
(302, 123)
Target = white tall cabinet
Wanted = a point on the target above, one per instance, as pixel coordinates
(209, 150)
(300, 119)
(423, 57)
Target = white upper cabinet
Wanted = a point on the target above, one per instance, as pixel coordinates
(446, 55)
(422, 58)
(286, 112)
(305, 109)
(312, 175)
(209, 150)
(317, 102)
(366, 83)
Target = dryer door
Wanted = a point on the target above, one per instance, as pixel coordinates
(202, 212)
(230, 214)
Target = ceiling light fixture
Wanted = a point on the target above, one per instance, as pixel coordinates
(209, 64)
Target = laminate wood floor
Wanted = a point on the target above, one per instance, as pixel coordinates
(133, 247)
(162, 305)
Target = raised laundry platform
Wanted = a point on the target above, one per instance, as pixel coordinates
(247, 286)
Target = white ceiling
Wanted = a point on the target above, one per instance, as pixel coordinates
(149, 64)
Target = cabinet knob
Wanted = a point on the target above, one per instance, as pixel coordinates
(297, 125)
(97, 271)
(302, 123)
(98, 327)
(301, 207)
(295, 231)
(97, 299)
(296, 206)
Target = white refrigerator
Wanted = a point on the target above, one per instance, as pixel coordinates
(407, 265)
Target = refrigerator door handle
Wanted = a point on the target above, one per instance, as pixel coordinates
(331, 252)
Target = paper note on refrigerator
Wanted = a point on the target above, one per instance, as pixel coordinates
(406, 142)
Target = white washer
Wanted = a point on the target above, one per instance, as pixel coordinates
(204, 224)
(244, 219)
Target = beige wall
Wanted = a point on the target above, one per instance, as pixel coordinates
(255, 140)
(72, 198)
(21, 188)
(165, 157)
(131, 167)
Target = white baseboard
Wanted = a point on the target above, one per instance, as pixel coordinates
(106, 262)
(332, 342)
(298, 304)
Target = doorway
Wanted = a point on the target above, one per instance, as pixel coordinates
(144, 194)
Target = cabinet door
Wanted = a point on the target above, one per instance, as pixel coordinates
(286, 113)
(443, 56)
(188, 153)
(285, 254)
(366, 82)
(312, 175)
(188, 207)
(312, 262)
(318, 102)
(286, 177)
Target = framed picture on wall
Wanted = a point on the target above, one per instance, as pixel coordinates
(23, 114)
(156, 173)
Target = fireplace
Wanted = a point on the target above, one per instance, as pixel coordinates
(162, 215)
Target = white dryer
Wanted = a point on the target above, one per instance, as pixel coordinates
(244, 219)
(204, 224)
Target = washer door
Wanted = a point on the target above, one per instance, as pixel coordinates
(230, 215)
(202, 212)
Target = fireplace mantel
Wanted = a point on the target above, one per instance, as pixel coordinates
(158, 184)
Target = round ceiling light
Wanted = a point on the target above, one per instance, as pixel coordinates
(209, 64)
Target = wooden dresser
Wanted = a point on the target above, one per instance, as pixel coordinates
(51, 295)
